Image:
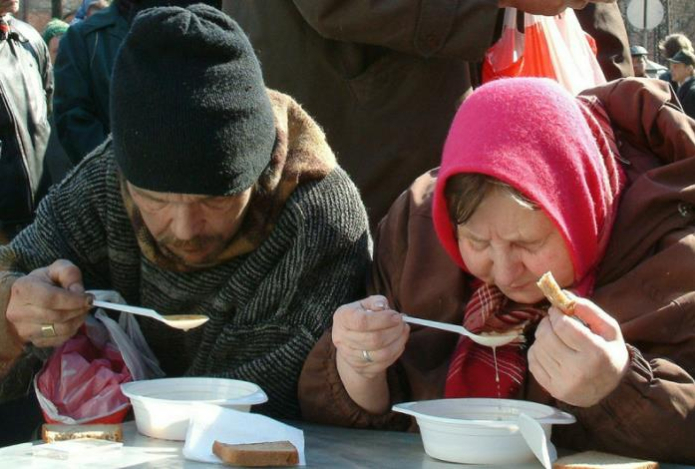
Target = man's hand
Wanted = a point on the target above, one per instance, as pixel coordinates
(577, 364)
(548, 7)
(47, 306)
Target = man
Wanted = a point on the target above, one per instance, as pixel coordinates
(26, 87)
(384, 79)
(213, 196)
(639, 61)
(682, 66)
(670, 46)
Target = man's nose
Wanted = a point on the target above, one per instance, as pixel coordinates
(187, 222)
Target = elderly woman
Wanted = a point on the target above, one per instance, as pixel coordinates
(599, 190)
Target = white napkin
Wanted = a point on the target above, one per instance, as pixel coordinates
(212, 422)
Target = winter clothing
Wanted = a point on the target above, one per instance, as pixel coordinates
(54, 28)
(384, 79)
(686, 96)
(83, 75)
(267, 307)
(26, 89)
(645, 281)
(225, 131)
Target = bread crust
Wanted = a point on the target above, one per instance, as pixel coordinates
(276, 453)
(599, 460)
(51, 432)
(556, 295)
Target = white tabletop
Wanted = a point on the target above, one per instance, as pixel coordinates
(326, 447)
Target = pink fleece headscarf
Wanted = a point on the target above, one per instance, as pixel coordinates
(533, 135)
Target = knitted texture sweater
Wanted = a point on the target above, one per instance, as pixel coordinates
(267, 308)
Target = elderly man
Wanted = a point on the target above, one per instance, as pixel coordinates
(213, 196)
(26, 86)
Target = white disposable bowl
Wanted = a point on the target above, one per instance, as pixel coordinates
(479, 431)
(162, 406)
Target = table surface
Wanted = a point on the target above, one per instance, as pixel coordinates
(326, 447)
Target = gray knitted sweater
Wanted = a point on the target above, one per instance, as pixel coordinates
(266, 308)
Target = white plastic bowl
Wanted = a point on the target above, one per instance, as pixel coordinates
(162, 406)
(479, 431)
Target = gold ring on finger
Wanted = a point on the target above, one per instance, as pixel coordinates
(48, 331)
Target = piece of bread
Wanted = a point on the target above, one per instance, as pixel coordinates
(598, 460)
(51, 432)
(276, 453)
(556, 295)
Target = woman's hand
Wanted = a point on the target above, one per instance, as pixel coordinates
(47, 306)
(577, 364)
(369, 337)
(548, 7)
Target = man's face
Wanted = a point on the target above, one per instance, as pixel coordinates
(193, 229)
(639, 65)
(53, 47)
(680, 72)
(9, 6)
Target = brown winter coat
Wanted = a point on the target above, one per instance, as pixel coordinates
(384, 79)
(646, 281)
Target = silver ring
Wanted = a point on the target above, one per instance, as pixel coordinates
(48, 331)
(366, 356)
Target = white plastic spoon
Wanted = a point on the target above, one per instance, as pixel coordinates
(495, 340)
(177, 321)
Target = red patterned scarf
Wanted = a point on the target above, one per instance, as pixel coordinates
(472, 370)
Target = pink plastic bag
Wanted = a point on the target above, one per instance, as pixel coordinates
(80, 382)
(551, 46)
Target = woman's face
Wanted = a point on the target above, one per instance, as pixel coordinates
(509, 245)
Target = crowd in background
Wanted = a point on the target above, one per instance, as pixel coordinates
(271, 239)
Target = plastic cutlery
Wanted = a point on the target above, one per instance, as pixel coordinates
(495, 340)
(177, 321)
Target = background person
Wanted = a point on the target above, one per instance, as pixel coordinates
(219, 198)
(608, 207)
(384, 79)
(670, 46)
(682, 67)
(26, 87)
(639, 61)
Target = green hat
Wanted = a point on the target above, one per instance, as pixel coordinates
(636, 51)
(54, 28)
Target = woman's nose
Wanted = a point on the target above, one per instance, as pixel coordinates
(507, 268)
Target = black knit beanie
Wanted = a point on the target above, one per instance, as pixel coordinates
(189, 109)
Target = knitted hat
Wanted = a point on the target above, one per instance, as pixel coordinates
(54, 28)
(189, 110)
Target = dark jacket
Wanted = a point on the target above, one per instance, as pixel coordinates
(686, 95)
(384, 79)
(83, 78)
(646, 281)
(26, 88)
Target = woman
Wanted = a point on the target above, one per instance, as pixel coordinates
(600, 191)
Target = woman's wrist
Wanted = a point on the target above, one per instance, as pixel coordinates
(369, 391)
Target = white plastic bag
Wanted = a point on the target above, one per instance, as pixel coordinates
(80, 383)
(551, 46)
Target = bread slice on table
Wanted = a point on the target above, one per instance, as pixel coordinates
(276, 453)
(598, 460)
(51, 432)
